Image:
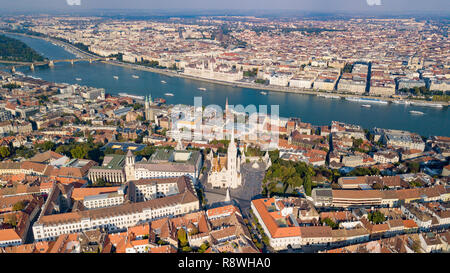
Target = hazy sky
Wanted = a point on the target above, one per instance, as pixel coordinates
(304, 5)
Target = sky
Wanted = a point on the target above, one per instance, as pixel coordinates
(351, 6)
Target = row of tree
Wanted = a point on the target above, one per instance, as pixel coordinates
(14, 50)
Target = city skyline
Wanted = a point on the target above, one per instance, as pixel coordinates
(326, 6)
(196, 129)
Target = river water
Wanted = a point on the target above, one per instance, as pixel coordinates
(310, 108)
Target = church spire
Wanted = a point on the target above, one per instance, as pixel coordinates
(232, 134)
(228, 197)
(226, 107)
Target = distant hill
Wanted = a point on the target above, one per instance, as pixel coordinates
(15, 50)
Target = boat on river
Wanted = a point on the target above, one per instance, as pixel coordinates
(131, 96)
(417, 113)
(369, 100)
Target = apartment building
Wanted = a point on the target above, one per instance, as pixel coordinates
(164, 164)
(49, 227)
(111, 170)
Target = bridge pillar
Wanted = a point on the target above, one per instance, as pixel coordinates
(51, 64)
(32, 66)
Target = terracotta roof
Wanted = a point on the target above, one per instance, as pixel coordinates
(140, 230)
(46, 156)
(182, 198)
(271, 224)
(395, 223)
(315, 231)
(379, 228)
(36, 167)
(80, 193)
(163, 249)
(225, 210)
(9, 234)
(357, 194)
(409, 223)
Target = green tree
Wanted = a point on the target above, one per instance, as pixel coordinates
(203, 247)
(413, 167)
(330, 223)
(357, 143)
(46, 146)
(147, 151)
(376, 217)
(79, 152)
(187, 249)
(22, 151)
(15, 50)
(193, 231)
(19, 206)
(137, 106)
(4, 151)
(307, 185)
(100, 183)
(11, 219)
(182, 237)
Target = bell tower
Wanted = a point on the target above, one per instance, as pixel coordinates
(129, 166)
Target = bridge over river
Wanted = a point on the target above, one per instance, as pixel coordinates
(50, 63)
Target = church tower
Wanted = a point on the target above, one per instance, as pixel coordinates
(267, 160)
(148, 110)
(129, 166)
(227, 196)
(233, 172)
(226, 107)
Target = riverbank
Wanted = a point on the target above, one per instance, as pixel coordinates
(257, 86)
(67, 46)
(254, 86)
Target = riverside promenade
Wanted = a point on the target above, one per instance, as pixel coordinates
(83, 54)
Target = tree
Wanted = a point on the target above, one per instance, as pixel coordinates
(11, 219)
(79, 152)
(19, 206)
(193, 231)
(22, 151)
(274, 155)
(15, 50)
(376, 217)
(100, 182)
(203, 247)
(413, 167)
(147, 151)
(137, 106)
(357, 143)
(307, 184)
(161, 242)
(330, 223)
(187, 249)
(182, 237)
(4, 151)
(46, 146)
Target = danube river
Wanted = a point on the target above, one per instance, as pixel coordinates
(310, 108)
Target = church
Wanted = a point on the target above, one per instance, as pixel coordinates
(226, 170)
